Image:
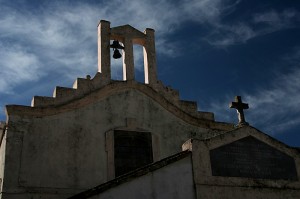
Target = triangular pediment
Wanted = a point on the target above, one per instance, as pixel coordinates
(246, 157)
(245, 131)
(127, 30)
(254, 158)
(249, 153)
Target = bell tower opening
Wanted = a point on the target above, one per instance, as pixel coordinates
(139, 71)
(128, 36)
(116, 64)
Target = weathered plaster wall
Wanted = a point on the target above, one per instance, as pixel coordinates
(218, 192)
(173, 181)
(2, 152)
(64, 153)
(214, 187)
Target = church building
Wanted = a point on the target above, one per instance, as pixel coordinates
(115, 139)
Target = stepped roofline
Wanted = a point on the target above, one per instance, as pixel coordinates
(88, 90)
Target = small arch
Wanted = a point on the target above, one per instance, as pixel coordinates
(116, 65)
(139, 69)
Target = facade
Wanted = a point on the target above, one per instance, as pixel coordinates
(124, 139)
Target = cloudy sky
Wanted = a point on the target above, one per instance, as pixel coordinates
(210, 50)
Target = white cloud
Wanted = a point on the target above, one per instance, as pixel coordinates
(60, 40)
(204, 11)
(63, 36)
(17, 66)
(276, 19)
(278, 106)
(273, 109)
(271, 21)
(226, 35)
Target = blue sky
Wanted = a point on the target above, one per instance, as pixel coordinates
(210, 50)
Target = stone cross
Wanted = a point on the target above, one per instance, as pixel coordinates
(239, 106)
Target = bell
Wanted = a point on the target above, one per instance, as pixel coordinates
(117, 54)
(116, 45)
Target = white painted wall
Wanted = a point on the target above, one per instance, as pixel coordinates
(64, 153)
(174, 181)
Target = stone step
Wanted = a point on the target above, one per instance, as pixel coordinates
(189, 106)
(63, 92)
(82, 83)
(42, 101)
(205, 115)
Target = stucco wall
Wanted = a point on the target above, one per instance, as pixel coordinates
(64, 153)
(173, 181)
(211, 186)
(217, 192)
(2, 159)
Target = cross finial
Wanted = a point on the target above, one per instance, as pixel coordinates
(239, 106)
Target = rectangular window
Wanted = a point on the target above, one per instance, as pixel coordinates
(131, 150)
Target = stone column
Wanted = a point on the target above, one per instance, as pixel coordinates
(150, 58)
(103, 49)
(128, 61)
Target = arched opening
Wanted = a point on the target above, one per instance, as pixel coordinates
(138, 63)
(116, 65)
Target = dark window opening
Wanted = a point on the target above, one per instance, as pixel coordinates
(132, 150)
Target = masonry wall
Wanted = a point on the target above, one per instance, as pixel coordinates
(173, 181)
(59, 154)
(217, 192)
(2, 156)
(225, 186)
